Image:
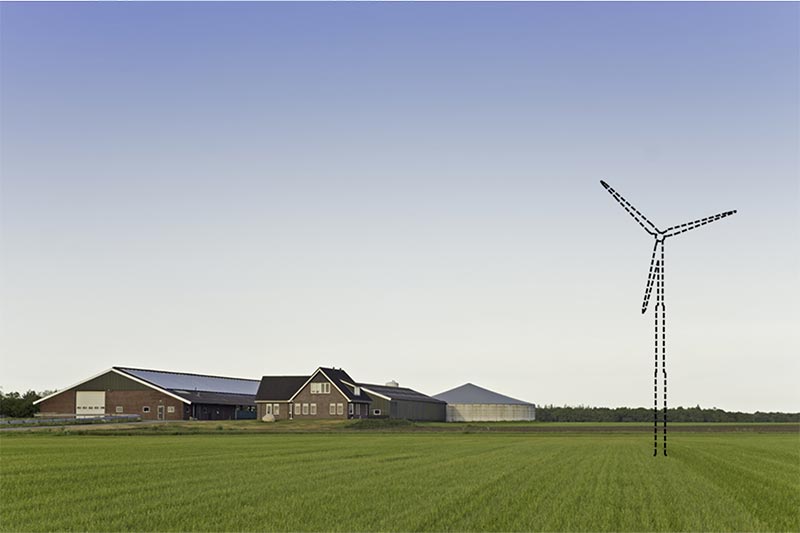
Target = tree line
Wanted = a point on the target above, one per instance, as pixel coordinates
(14, 404)
(550, 413)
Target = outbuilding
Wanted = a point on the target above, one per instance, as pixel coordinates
(471, 403)
(154, 395)
(393, 401)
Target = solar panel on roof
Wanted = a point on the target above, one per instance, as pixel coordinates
(194, 382)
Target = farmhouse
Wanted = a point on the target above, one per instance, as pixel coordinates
(393, 401)
(327, 393)
(332, 393)
(470, 403)
(154, 395)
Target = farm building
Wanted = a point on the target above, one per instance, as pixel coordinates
(332, 393)
(326, 393)
(393, 401)
(470, 403)
(154, 395)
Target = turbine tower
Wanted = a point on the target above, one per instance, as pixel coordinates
(655, 279)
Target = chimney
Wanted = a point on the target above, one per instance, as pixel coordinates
(393, 383)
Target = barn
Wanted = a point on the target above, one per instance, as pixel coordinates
(471, 403)
(154, 395)
(393, 401)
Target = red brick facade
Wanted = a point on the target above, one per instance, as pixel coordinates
(132, 402)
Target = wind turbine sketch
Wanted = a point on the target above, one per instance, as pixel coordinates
(655, 278)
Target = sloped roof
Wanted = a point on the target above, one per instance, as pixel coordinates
(279, 388)
(399, 393)
(217, 398)
(340, 378)
(179, 382)
(469, 393)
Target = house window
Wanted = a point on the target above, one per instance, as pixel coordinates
(269, 408)
(145, 409)
(332, 409)
(326, 388)
(297, 408)
(357, 391)
(376, 412)
(320, 388)
(170, 408)
(339, 408)
(350, 409)
(119, 409)
(305, 408)
(315, 388)
(313, 409)
(276, 409)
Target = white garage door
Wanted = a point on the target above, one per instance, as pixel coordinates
(90, 403)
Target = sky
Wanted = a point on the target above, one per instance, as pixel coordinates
(408, 191)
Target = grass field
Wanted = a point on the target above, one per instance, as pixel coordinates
(399, 482)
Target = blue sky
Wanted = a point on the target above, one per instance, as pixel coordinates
(409, 191)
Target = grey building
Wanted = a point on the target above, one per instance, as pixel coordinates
(393, 401)
(471, 403)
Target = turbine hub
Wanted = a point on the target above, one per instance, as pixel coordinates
(660, 237)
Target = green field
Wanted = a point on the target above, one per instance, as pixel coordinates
(416, 481)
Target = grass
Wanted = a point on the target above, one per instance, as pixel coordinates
(368, 481)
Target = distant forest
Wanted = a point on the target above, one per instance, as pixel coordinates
(550, 413)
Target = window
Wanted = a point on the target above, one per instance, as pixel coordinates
(332, 409)
(376, 412)
(326, 388)
(268, 409)
(119, 409)
(276, 409)
(313, 408)
(349, 408)
(315, 388)
(170, 408)
(297, 408)
(305, 408)
(145, 409)
(339, 408)
(357, 390)
(320, 388)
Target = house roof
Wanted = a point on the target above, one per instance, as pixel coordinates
(398, 393)
(280, 388)
(344, 382)
(469, 393)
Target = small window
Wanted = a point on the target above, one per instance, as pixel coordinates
(326, 388)
(357, 390)
(315, 388)
(332, 409)
(305, 408)
(145, 409)
(376, 412)
(269, 408)
(339, 408)
(276, 409)
(297, 408)
(313, 409)
(119, 409)
(170, 408)
(350, 408)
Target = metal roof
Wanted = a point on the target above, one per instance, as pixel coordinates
(179, 382)
(469, 393)
(399, 393)
(216, 398)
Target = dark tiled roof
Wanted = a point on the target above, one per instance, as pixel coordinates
(279, 388)
(400, 393)
(216, 398)
(193, 382)
(469, 393)
(340, 378)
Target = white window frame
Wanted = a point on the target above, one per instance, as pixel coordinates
(315, 388)
(276, 409)
(339, 409)
(305, 408)
(119, 409)
(350, 409)
(326, 388)
(268, 409)
(297, 409)
(313, 409)
(170, 408)
(332, 409)
(146, 409)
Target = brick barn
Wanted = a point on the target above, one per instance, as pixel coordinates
(154, 395)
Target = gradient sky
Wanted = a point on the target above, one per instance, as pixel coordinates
(409, 191)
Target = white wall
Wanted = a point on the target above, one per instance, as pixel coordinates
(487, 412)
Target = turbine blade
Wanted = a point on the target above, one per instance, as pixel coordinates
(682, 228)
(632, 211)
(650, 279)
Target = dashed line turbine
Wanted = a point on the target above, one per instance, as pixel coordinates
(655, 279)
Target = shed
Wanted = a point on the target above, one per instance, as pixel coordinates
(471, 403)
(393, 401)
